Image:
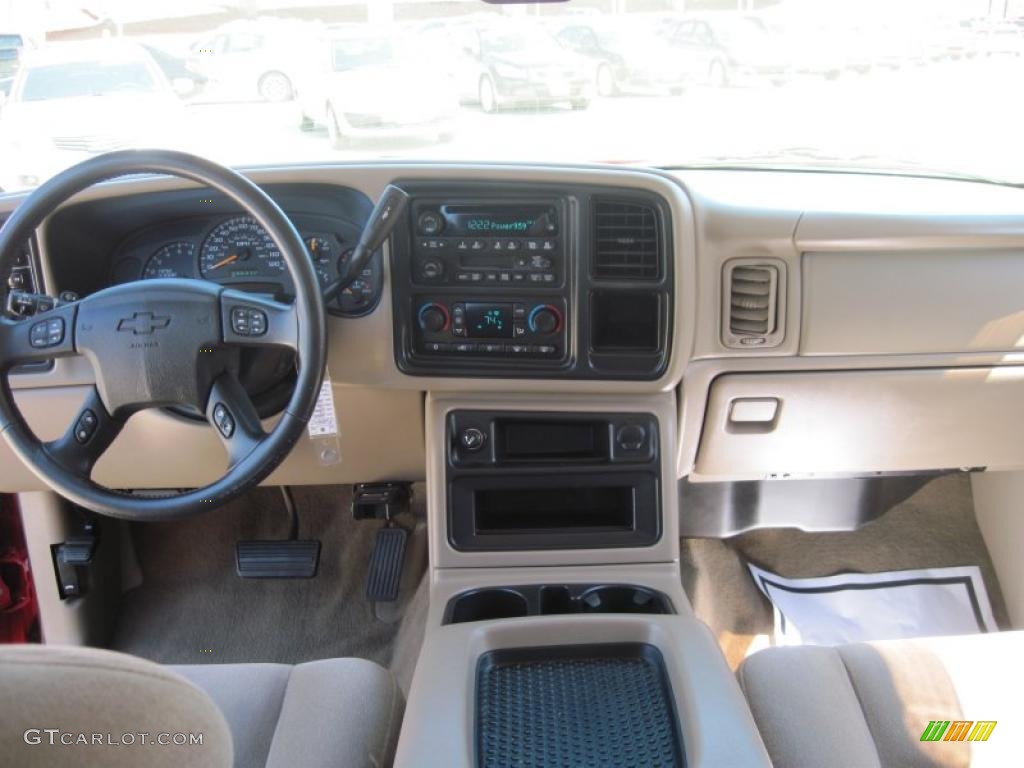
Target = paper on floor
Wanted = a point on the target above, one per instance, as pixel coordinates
(854, 607)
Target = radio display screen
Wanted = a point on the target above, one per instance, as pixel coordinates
(489, 321)
(501, 221)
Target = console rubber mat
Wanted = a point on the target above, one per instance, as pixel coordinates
(576, 706)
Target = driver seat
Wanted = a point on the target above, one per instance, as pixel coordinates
(69, 706)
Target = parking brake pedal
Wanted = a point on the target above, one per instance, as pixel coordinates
(289, 559)
(372, 501)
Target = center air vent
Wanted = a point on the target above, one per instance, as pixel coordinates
(627, 245)
(752, 301)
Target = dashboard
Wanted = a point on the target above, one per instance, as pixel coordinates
(798, 324)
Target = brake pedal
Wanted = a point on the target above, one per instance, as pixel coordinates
(277, 559)
(386, 561)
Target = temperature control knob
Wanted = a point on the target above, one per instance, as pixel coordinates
(544, 319)
(434, 317)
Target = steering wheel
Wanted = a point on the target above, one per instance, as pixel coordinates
(160, 343)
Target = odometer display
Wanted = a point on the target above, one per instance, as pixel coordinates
(240, 249)
(173, 260)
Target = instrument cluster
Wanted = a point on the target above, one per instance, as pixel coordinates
(238, 252)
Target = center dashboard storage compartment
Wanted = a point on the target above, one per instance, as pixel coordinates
(552, 481)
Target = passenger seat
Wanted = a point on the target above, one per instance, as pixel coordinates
(871, 704)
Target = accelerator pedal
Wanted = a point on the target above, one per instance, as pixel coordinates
(277, 559)
(383, 501)
(385, 572)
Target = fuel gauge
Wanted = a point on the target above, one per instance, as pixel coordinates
(322, 253)
(357, 295)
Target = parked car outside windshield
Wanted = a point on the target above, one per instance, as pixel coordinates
(74, 100)
(372, 86)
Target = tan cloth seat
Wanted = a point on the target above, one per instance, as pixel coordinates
(868, 704)
(337, 713)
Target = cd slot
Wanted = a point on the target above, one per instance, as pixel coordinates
(486, 259)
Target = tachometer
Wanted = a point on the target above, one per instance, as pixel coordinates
(240, 249)
(172, 260)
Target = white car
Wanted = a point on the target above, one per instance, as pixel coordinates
(246, 60)
(72, 100)
(373, 86)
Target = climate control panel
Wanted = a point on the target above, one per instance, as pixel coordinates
(492, 327)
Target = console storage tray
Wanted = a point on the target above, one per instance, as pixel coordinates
(608, 704)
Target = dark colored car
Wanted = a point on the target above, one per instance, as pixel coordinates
(628, 58)
(523, 65)
(730, 49)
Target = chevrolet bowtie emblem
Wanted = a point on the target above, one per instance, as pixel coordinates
(143, 323)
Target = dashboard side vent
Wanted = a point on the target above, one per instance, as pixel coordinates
(753, 301)
(627, 242)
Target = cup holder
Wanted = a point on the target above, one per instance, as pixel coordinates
(553, 600)
(622, 599)
(487, 604)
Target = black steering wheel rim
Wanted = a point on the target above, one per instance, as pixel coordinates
(305, 318)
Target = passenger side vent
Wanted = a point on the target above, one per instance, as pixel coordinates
(627, 242)
(753, 303)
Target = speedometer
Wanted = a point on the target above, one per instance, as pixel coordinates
(240, 249)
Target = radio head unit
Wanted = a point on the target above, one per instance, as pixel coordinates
(513, 280)
(488, 243)
(494, 220)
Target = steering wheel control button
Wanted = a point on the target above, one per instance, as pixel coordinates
(85, 427)
(223, 420)
(472, 439)
(47, 333)
(246, 321)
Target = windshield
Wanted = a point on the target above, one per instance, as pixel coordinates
(498, 40)
(905, 86)
(353, 54)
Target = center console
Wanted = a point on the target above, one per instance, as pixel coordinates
(532, 281)
(558, 632)
(520, 480)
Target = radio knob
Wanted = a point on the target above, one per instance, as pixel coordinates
(544, 319)
(433, 318)
(430, 223)
(472, 439)
(433, 269)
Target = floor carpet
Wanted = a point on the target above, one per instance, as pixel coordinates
(192, 607)
(935, 527)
